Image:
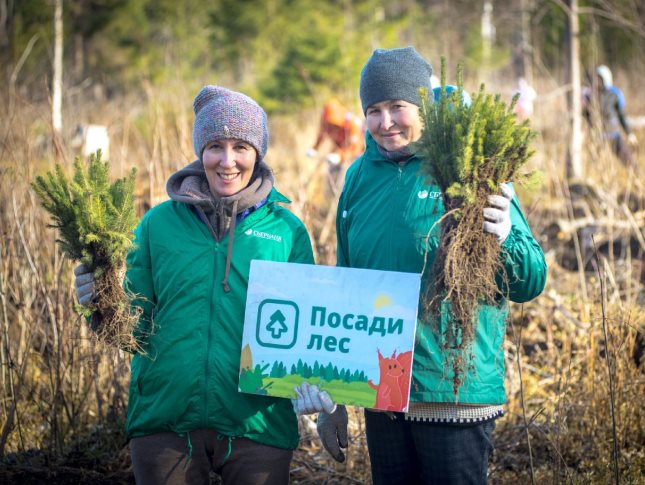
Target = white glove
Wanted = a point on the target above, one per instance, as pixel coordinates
(312, 400)
(84, 283)
(312, 153)
(498, 215)
(632, 140)
(332, 430)
(333, 158)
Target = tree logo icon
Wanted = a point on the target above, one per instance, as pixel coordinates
(277, 324)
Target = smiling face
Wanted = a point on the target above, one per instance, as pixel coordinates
(394, 124)
(229, 164)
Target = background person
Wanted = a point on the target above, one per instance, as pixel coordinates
(524, 105)
(189, 269)
(385, 213)
(346, 133)
(610, 103)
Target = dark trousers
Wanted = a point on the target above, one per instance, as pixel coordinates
(413, 452)
(171, 459)
(622, 150)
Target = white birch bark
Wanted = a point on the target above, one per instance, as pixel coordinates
(57, 82)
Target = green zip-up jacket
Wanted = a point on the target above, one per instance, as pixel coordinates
(385, 214)
(187, 378)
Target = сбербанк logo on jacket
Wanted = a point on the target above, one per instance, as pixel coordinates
(263, 235)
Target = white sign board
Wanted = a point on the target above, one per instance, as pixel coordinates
(350, 331)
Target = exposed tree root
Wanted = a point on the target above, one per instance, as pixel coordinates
(465, 270)
(114, 319)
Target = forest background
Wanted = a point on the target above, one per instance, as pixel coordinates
(574, 356)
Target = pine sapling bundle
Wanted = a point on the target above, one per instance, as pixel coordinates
(469, 151)
(96, 222)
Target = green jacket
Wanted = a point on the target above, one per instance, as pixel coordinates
(385, 214)
(187, 378)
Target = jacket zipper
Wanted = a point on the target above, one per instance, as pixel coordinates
(397, 187)
(208, 342)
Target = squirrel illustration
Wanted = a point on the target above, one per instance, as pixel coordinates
(393, 388)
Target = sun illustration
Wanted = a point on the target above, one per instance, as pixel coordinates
(381, 301)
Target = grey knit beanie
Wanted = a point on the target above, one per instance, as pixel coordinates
(394, 74)
(221, 113)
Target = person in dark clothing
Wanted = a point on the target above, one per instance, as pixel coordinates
(609, 104)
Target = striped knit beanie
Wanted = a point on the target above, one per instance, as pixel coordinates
(394, 74)
(221, 113)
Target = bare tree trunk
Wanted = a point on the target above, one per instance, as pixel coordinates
(57, 83)
(79, 58)
(6, 14)
(522, 48)
(527, 41)
(6, 6)
(488, 37)
(574, 156)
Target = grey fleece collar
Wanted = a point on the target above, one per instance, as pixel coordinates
(190, 186)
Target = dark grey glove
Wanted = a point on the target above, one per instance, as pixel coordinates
(332, 430)
(84, 285)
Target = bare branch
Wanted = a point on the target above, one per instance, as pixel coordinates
(613, 16)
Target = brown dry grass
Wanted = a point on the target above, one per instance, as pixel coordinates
(567, 353)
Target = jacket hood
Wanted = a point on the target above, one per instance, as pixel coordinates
(190, 185)
(605, 73)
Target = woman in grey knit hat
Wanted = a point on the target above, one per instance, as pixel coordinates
(189, 271)
(388, 219)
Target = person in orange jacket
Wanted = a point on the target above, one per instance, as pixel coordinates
(346, 132)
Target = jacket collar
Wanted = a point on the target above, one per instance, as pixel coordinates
(373, 154)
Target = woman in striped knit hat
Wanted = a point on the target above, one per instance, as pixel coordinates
(189, 271)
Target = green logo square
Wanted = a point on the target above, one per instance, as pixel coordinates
(277, 324)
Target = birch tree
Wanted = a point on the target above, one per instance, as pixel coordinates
(57, 82)
(574, 156)
(488, 35)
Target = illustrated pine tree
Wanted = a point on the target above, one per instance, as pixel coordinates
(95, 221)
(276, 324)
(468, 150)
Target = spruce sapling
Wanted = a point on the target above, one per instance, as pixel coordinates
(96, 221)
(468, 151)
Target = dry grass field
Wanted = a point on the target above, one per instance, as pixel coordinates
(574, 356)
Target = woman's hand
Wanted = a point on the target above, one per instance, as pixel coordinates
(84, 282)
(332, 430)
(311, 400)
(498, 214)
